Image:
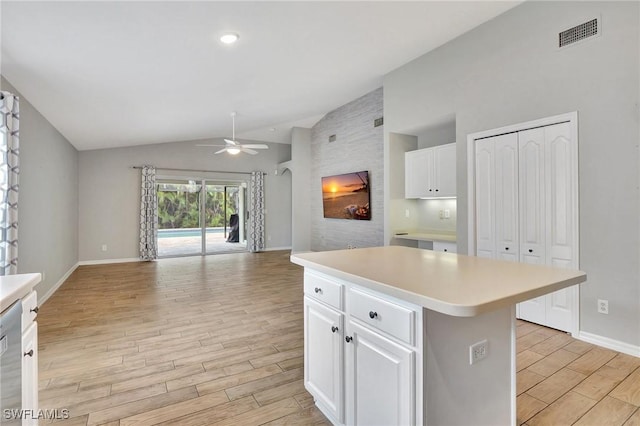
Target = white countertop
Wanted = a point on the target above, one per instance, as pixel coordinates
(14, 287)
(426, 236)
(452, 284)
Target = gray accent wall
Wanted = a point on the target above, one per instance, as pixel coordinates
(48, 199)
(110, 191)
(509, 71)
(358, 147)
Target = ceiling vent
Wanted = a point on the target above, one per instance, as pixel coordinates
(579, 32)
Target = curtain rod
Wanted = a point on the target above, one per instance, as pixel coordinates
(198, 171)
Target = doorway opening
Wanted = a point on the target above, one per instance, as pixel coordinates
(198, 217)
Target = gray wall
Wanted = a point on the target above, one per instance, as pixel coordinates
(358, 147)
(509, 71)
(48, 199)
(110, 191)
(301, 196)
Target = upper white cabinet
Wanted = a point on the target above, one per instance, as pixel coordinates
(431, 172)
(526, 187)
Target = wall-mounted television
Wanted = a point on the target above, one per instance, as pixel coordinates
(346, 196)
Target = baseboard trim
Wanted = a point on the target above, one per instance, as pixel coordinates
(61, 281)
(277, 248)
(608, 343)
(106, 261)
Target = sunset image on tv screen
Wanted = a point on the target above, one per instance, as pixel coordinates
(346, 196)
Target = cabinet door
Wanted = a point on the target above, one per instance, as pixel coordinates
(323, 357)
(444, 170)
(506, 197)
(380, 380)
(30, 373)
(417, 173)
(561, 219)
(485, 198)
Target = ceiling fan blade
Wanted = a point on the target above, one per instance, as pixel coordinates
(210, 145)
(248, 151)
(256, 146)
(230, 142)
(221, 151)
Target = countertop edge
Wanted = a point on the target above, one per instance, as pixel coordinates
(425, 236)
(15, 287)
(435, 304)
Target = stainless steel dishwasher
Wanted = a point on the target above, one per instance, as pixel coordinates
(11, 365)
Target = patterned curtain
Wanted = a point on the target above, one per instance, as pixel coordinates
(148, 215)
(9, 170)
(256, 215)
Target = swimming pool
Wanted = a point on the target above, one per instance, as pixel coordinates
(187, 232)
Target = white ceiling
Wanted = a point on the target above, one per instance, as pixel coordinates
(109, 74)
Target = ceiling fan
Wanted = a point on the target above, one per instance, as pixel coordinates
(233, 147)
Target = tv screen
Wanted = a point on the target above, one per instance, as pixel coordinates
(346, 196)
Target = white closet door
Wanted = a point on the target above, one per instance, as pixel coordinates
(485, 198)
(561, 218)
(506, 207)
(531, 145)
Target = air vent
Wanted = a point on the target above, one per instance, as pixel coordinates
(579, 32)
(378, 122)
(332, 138)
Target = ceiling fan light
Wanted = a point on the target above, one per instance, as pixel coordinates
(229, 38)
(233, 151)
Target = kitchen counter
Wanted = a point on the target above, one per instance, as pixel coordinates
(363, 306)
(426, 236)
(451, 284)
(14, 287)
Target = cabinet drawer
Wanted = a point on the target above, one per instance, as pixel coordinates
(445, 246)
(324, 289)
(398, 321)
(29, 309)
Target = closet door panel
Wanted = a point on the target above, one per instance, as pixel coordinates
(485, 198)
(561, 215)
(560, 195)
(531, 146)
(506, 164)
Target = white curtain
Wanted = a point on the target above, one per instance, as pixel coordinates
(148, 215)
(256, 212)
(9, 171)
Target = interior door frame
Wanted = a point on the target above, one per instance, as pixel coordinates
(572, 119)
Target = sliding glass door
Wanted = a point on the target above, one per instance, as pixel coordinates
(200, 217)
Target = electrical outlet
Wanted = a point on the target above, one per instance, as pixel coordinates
(603, 306)
(104, 247)
(441, 214)
(406, 213)
(447, 214)
(478, 351)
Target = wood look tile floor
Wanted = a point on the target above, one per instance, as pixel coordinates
(218, 340)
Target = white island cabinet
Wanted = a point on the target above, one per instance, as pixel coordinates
(389, 330)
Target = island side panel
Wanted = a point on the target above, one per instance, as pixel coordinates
(457, 393)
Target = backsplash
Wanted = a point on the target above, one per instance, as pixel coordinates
(429, 214)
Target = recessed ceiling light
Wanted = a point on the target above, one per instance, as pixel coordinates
(229, 38)
(273, 129)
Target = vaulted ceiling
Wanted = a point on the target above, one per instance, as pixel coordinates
(120, 73)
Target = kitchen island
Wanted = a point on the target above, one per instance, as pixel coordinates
(397, 335)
